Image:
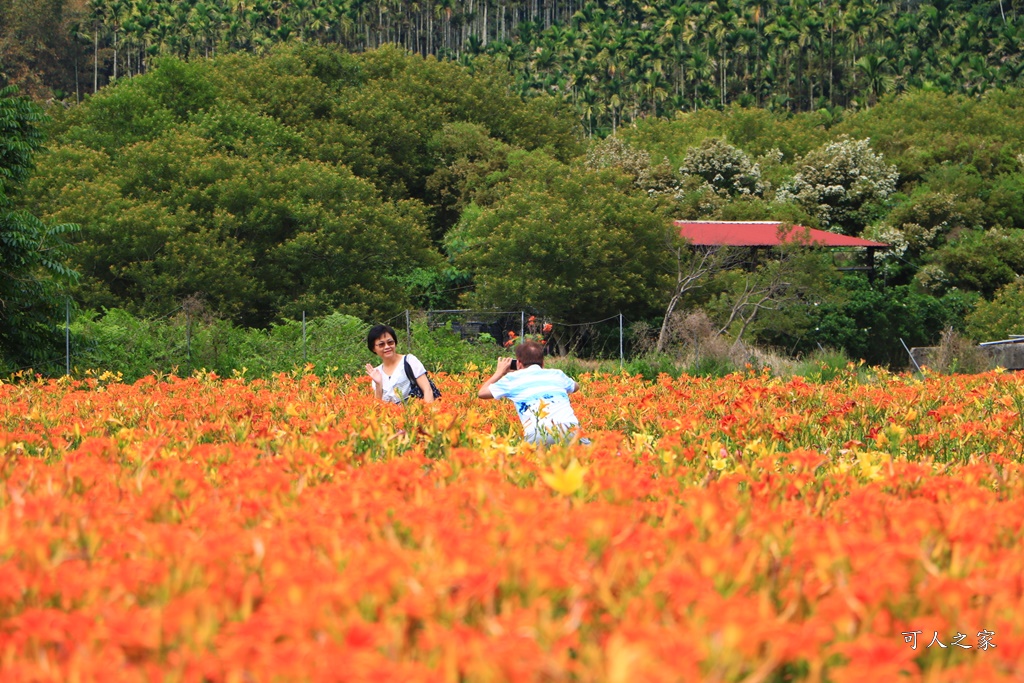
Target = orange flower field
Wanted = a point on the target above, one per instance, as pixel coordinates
(740, 529)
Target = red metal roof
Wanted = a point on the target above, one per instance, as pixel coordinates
(763, 234)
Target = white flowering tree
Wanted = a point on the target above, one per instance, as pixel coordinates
(839, 183)
(726, 169)
(613, 152)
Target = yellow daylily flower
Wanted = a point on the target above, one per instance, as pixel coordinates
(567, 480)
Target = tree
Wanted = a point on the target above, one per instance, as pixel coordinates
(288, 183)
(1001, 317)
(875, 69)
(572, 244)
(39, 46)
(982, 261)
(465, 156)
(767, 297)
(260, 236)
(839, 183)
(615, 152)
(32, 270)
(693, 269)
(869, 320)
(725, 168)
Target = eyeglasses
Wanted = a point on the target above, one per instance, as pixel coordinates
(384, 343)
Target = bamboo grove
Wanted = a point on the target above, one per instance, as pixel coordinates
(615, 61)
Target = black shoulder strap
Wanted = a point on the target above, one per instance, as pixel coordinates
(408, 369)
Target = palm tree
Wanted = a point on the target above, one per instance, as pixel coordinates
(699, 66)
(784, 37)
(878, 75)
(97, 14)
(654, 86)
(119, 11)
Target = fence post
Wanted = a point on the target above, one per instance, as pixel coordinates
(522, 324)
(67, 336)
(408, 330)
(188, 341)
(303, 337)
(621, 356)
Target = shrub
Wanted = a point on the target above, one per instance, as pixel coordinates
(823, 365)
(956, 353)
(1001, 317)
(650, 365)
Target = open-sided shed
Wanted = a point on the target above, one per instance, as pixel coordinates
(769, 234)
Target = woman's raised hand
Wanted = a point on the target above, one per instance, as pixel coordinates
(374, 374)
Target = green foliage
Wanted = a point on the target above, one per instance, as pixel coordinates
(727, 169)
(20, 139)
(257, 236)
(651, 177)
(982, 261)
(917, 225)
(123, 115)
(711, 366)
(441, 349)
(272, 186)
(313, 179)
(756, 131)
(777, 301)
(615, 63)
(33, 273)
(1000, 317)
(117, 341)
(823, 365)
(121, 343)
(182, 88)
(649, 366)
(840, 184)
(572, 244)
(869, 320)
(401, 102)
(39, 46)
(758, 209)
(466, 158)
(982, 133)
(231, 127)
(1005, 200)
(436, 288)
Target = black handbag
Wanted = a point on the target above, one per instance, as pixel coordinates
(414, 388)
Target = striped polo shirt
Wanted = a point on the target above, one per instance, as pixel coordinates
(541, 397)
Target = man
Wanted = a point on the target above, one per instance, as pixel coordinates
(541, 396)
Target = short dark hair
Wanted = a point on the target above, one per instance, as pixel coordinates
(376, 332)
(529, 352)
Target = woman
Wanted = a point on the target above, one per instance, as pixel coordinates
(390, 381)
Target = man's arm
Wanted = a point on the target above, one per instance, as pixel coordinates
(500, 371)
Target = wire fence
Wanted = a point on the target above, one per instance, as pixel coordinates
(187, 339)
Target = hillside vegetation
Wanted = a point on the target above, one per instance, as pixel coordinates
(312, 180)
(613, 62)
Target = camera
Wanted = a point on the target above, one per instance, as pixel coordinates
(514, 365)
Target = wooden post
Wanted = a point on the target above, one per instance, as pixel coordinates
(621, 360)
(67, 336)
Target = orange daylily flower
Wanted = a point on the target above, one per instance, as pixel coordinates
(289, 528)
